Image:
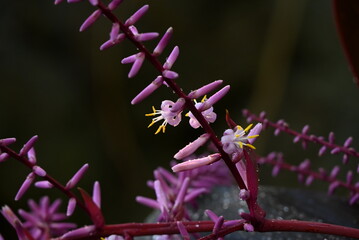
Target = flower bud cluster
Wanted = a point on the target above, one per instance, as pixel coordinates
(305, 138)
(306, 175)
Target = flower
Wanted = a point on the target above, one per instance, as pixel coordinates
(208, 114)
(233, 140)
(173, 118)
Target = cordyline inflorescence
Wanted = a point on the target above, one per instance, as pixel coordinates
(194, 175)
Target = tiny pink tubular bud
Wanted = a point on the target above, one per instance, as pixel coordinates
(129, 59)
(183, 231)
(77, 176)
(211, 215)
(111, 43)
(170, 74)
(195, 163)
(146, 36)
(348, 142)
(218, 224)
(148, 202)
(26, 148)
(305, 129)
(335, 171)
(171, 58)
(154, 85)
(335, 150)
(96, 194)
(140, 57)
(354, 199)
(265, 123)
(244, 194)
(161, 197)
(232, 223)
(181, 194)
(296, 139)
(137, 15)
(331, 137)
(277, 132)
(25, 186)
(39, 171)
(305, 165)
(114, 4)
(80, 232)
(9, 215)
(214, 98)
(71, 207)
(205, 89)
(333, 186)
(168, 176)
(7, 141)
(304, 144)
(345, 158)
(90, 20)
(93, 2)
(133, 30)
(309, 180)
(43, 184)
(192, 147)
(256, 130)
(31, 155)
(349, 177)
(115, 30)
(276, 170)
(194, 194)
(262, 115)
(4, 157)
(248, 227)
(163, 42)
(322, 150)
(58, 2)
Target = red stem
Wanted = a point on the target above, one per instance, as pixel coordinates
(269, 225)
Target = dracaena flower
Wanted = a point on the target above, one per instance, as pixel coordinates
(166, 114)
(233, 140)
(208, 114)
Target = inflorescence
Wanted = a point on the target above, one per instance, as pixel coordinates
(194, 173)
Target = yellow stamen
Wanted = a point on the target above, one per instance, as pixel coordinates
(249, 127)
(251, 146)
(240, 144)
(151, 114)
(239, 127)
(253, 136)
(204, 98)
(158, 129)
(187, 114)
(153, 122)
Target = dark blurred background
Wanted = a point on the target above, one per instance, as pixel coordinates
(280, 56)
